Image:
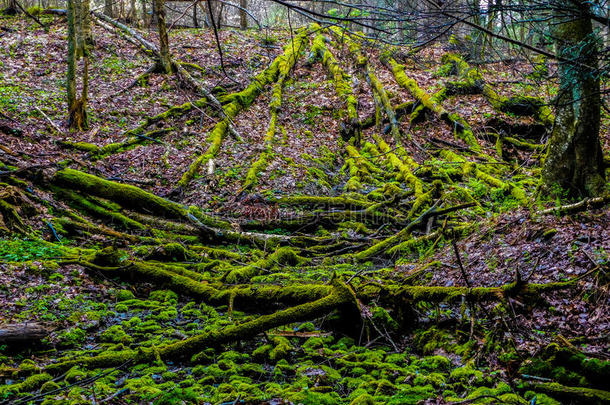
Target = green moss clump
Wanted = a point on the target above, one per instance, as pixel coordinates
(74, 374)
(382, 318)
(123, 194)
(433, 363)
(466, 374)
(49, 386)
(363, 399)
(412, 395)
(28, 385)
(281, 350)
(540, 399)
(115, 334)
(71, 337)
(164, 296)
(124, 295)
(28, 366)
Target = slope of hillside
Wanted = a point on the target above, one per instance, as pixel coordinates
(370, 232)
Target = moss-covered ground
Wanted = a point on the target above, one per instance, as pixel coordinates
(372, 237)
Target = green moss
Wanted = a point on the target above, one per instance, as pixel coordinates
(71, 337)
(164, 296)
(283, 256)
(74, 374)
(541, 399)
(124, 295)
(28, 385)
(124, 194)
(466, 374)
(382, 318)
(49, 386)
(433, 363)
(115, 334)
(412, 395)
(363, 399)
(28, 366)
(437, 380)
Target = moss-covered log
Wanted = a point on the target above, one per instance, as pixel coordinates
(319, 201)
(343, 88)
(292, 52)
(124, 194)
(403, 170)
(380, 95)
(474, 169)
(570, 394)
(459, 126)
(381, 247)
(452, 65)
(235, 103)
(340, 295)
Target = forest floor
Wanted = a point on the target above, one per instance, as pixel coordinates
(296, 263)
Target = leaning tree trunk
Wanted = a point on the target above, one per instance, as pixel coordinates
(77, 49)
(574, 160)
(165, 62)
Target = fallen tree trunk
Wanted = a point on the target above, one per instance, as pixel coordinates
(565, 393)
(23, 333)
(339, 296)
(583, 205)
(459, 126)
(176, 66)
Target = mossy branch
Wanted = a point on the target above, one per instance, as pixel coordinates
(459, 126)
(340, 295)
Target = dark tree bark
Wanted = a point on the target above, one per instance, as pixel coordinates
(195, 18)
(575, 160)
(108, 8)
(165, 62)
(77, 49)
(243, 17)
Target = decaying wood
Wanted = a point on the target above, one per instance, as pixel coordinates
(23, 332)
(586, 204)
(185, 76)
(49, 120)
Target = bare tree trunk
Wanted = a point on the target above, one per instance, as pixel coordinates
(86, 24)
(165, 63)
(575, 160)
(133, 14)
(243, 17)
(144, 14)
(108, 8)
(77, 49)
(12, 8)
(195, 18)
